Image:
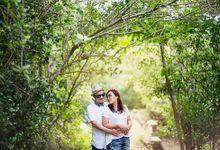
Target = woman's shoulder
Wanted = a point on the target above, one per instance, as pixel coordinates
(125, 108)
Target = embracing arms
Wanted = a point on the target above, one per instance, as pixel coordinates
(125, 128)
(92, 117)
(103, 128)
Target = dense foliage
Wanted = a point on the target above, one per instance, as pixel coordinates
(195, 75)
(52, 50)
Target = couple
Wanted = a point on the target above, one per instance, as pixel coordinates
(111, 121)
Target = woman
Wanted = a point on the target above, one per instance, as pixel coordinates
(116, 116)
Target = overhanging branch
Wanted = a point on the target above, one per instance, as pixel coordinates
(99, 33)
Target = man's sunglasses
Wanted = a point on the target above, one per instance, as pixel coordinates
(100, 95)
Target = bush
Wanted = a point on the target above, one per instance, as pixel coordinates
(24, 108)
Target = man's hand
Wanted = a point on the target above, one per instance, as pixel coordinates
(124, 129)
(114, 132)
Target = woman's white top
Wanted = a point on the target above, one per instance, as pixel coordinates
(117, 118)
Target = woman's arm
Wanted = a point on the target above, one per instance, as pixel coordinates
(129, 123)
(127, 127)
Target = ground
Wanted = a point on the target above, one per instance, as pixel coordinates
(141, 132)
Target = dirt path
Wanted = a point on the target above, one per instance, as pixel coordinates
(141, 132)
(138, 132)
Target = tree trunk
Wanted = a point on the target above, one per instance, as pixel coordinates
(40, 69)
(213, 140)
(187, 129)
(188, 137)
(171, 93)
(199, 146)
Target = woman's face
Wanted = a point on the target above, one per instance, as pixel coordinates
(112, 98)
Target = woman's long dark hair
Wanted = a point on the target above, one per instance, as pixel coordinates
(120, 105)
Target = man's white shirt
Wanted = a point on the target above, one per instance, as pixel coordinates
(99, 138)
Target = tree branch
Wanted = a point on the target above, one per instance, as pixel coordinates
(98, 33)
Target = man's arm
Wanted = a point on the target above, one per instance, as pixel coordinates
(92, 119)
(106, 123)
(103, 128)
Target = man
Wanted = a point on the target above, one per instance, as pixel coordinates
(101, 136)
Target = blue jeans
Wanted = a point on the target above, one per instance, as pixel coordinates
(108, 147)
(94, 148)
(120, 144)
